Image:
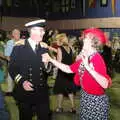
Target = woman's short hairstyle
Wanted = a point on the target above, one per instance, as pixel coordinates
(97, 33)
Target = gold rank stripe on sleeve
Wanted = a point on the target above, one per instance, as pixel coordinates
(17, 78)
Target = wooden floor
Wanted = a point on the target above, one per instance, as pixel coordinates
(113, 93)
(65, 115)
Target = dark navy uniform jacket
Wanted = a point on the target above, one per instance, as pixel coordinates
(25, 64)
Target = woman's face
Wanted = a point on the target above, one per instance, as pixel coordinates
(58, 43)
(87, 42)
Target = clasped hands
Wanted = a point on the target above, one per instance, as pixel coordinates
(85, 60)
(46, 58)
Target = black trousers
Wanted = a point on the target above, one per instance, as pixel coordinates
(26, 111)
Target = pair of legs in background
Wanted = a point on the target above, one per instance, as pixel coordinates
(60, 98)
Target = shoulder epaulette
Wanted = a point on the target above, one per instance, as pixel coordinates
(43, 45)
(20, 42)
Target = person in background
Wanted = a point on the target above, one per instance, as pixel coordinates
(107, 55)
(116, 61)
(64, 85)
(91, 74)
(15, 36)
(29, 73)
(4, 115)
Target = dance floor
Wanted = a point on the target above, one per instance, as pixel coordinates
(113, 93)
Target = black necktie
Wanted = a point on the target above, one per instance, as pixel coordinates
(36, 48)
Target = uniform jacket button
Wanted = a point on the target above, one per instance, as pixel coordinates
(30, 74)
(30, 69)
(40, 79)
(41, 85)
(40, 68)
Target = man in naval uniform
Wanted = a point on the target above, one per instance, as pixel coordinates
(29, 73)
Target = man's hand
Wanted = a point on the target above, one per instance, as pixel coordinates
(27, 86)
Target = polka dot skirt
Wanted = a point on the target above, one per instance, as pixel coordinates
(93, 107)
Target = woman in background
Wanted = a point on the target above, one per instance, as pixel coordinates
(64, 85)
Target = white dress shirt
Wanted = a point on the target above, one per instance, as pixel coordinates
(32, 43)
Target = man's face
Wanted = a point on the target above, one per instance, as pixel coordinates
(37, 33)
(16, 34)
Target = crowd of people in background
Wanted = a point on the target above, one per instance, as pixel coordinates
(7, 45)
(62, 47)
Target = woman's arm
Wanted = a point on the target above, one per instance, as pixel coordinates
(3, 57)
(61, 66)
(52, 49)
(103, 81)
(59, 55)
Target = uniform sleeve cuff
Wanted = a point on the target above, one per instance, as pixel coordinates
(18, 79)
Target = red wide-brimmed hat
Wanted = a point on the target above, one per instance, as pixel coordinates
(98, 33)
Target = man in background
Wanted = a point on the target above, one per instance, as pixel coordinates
(15, 36)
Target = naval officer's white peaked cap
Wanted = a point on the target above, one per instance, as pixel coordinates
(36, 23)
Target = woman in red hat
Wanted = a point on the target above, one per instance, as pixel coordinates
(91, 75)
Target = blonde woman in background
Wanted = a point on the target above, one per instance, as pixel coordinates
(64, 85)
